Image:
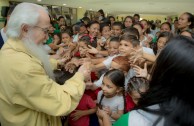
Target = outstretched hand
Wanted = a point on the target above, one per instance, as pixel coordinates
(141, 72)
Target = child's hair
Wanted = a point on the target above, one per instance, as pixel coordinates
(167, 23)
(62, 76)
(86, 39)
(123, 61)
(114, 39)
(136, 83)
(117, 77)
(102, 25)
(92, 22)
(131, 31)
(118, 24)
(130, 38)
(66, 32)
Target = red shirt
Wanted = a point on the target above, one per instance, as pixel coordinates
(85, 103)
(129, 103)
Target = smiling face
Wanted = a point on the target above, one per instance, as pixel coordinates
(94, 29)
(113, 48)
(106, 32)
(125, 48)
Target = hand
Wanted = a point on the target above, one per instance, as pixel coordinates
(77, 114)
(92, 50)
(70, 66)
(135, 55)
(85, 69)
(101, 114)
(141, 72)
(67, 55)
(107, 110)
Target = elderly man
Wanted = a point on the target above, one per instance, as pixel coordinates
(29, 96)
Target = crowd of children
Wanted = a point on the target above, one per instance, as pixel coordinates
(121, 54)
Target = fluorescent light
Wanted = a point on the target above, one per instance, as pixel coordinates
(39, 0)
(79, 7)
(90, 9)
(64, 4)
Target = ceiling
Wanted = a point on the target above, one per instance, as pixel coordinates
(116, 7)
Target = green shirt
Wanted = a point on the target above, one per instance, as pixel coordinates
(49, 41)
(123, 120)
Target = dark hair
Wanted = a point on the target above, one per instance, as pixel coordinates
(131, 31)
(167, 23)
(101, 12)
(115, 39)
(59, 18)
(130, 38)
(136, 83)
(117, 77)
(136, 15)
(117, 23)
(102, 25)
(126, 19)
(86, 39)
(66, 32)
(171, 83)
(59, 35)
(92, 22)
(190, 19)
(111, 17)
(148, 29)
(62, 76)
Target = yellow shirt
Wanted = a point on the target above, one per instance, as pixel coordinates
(28, 97)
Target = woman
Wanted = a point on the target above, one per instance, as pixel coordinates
(168, 101)
(186, 21)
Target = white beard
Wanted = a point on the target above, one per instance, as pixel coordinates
(40, 53)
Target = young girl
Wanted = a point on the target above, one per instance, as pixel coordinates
(137, 86)
(111, 98)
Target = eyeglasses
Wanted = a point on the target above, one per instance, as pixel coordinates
(45, 30)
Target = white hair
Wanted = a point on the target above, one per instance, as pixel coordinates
(24, 13)
(39, 52)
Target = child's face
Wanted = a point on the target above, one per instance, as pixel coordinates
(65, 38)
(56, 39)
(94, 30)
(161, 43)
(82, 49)
(61, 21)
(116, 31)
(113, 48)
(109, 89)
(106, 32)
(135, 95)
(145, 25)
(125, 48)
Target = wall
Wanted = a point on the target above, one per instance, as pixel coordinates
(80, 13)
(3, 3)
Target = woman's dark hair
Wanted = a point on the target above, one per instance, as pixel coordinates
(130, 38)
(111, 17)
(117, 77)
(148, 29)
(171, 84)
(190, 19)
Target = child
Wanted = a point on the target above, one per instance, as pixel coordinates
(136, 86)
(111, 98)
(116, 29)
(86, 106)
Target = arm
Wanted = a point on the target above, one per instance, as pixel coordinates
(38, 92)
(79, 113)
(117, 115)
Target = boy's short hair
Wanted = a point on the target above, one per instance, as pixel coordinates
(118, 24)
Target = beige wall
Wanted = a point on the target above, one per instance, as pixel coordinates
(80, 13)
(3, 3)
